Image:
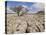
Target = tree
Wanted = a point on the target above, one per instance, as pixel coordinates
(18, 9)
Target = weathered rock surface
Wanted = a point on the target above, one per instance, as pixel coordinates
(25, 24)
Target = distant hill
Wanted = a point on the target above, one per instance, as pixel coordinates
(9, 11)
(41, 12)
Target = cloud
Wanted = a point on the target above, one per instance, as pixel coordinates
(32, 9)
(10, 11)
(36, 7)
(24, 6)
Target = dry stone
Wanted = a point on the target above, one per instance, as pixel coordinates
(26, 23)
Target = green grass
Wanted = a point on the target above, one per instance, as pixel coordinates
(40, 14)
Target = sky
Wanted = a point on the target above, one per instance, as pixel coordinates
(15, 3)
(32, 7)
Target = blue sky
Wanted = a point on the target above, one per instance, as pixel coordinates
(32, 7)
(15, 3)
